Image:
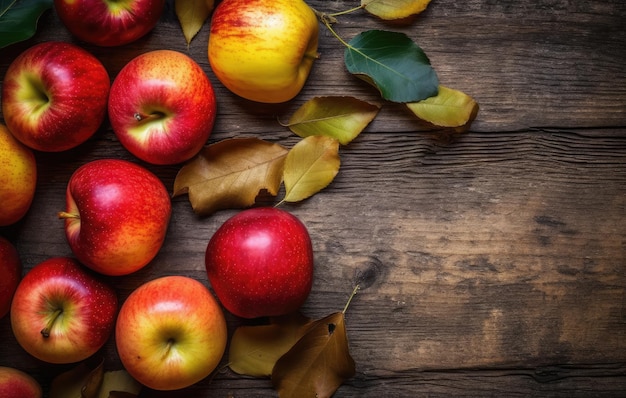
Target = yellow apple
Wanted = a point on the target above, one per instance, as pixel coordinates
(263, 50)
(170, 333)
(18, 177)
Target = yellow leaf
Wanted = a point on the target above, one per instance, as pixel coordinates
(449, 108)
(230, 174)
(310, 166)
(318, 363)
(119, 383)
(394, 9)
(192, 14)
(255, 349)
(339, 117)
(89, 380)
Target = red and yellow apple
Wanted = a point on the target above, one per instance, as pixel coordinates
(162, 107)
(15, 383)
(170, 333)
(109, 22)
(61, 313)
(18, 178)
(117, 215)
(54, 96)
(11, 271)
(263, 50)
(260, 263)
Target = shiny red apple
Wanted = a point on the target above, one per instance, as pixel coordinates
(15, 383)
(11, 271)
(162, 107)
(109, 23)
(260, 263)
(62, 313)
(117, 215)
(54, 96)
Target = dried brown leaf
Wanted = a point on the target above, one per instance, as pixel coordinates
(90, 380)
(230, 174)
(318, 363)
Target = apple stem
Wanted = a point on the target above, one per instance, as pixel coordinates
(64, 214)
(45, 332)
(354, 292)
(170, 343)
(145, 118)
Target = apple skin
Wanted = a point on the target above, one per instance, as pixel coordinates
(15, 383)
(54, 96)
(11, 271)
(162, 107)
(170, 333)
(263, 50)
(18, 178)
(117, 215)
(260, 263)
(86, 308)
(109, 23)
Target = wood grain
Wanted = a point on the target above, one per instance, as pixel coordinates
(492, 262)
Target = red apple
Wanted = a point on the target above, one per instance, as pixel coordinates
(116, 216)
(162, 107)
(54, 96)
(15, 383)
(170, 333)
(61, 313)
(109, 23)
(260, 263)
(11, 271)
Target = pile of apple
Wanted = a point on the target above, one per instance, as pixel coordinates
(170, 332)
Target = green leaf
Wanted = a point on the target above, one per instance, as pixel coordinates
(342, 118)
(18, 19)
(449, 108)
(392, 63)
(310, 166)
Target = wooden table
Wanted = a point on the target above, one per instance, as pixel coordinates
(495, 259)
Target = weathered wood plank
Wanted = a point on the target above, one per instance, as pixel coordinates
(492, 262)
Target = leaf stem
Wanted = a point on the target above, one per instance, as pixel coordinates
(348, 11)
(329, 19)
(354, 292)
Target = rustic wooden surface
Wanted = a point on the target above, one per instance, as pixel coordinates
(493, 261)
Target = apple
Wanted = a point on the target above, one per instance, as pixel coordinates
(109, 22)
(117, 215)
(54, 96)
(170, 333)
(61, 313)
(18, 178)
(260, 263)
(263, 50)
(162, 107)
(11, 271)
(15, 383)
